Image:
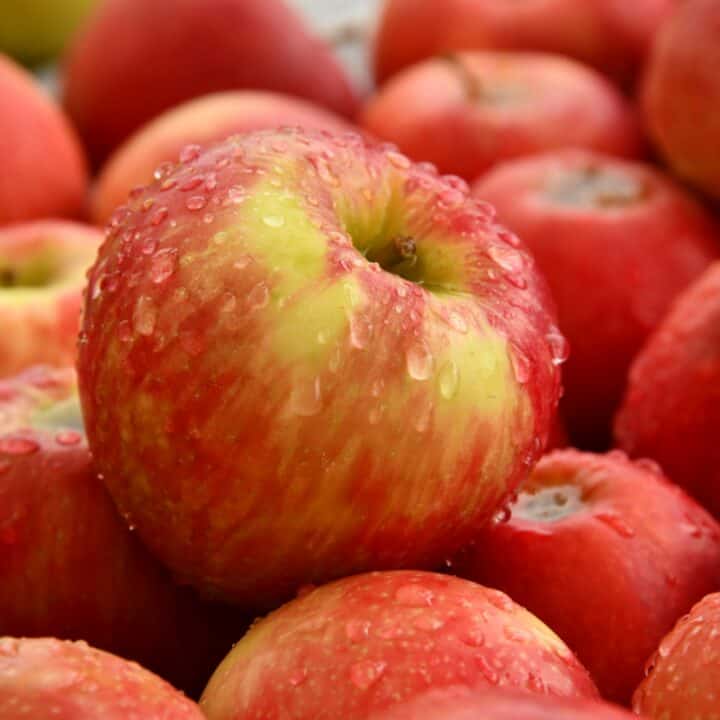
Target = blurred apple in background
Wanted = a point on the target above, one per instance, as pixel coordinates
(43, 167)
(42, 273)
(367, 642)
(35, 31)
(469, 111)
(135, 59)
(46, 679)
(605, 551)
(617, 241)
(202, 121)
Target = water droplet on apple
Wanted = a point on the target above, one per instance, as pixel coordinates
(297, 677)
(68, 437)
(159, 216)
(520, 365)
(18, 446)
(306, 398)
(191, 183)
(419, 361)
(190, 153)
(412, 595)
(258, 297)
(458, 322)
(483, 665)
(274, 221)
(162, 267)
(449, 379)
(361, 331)
(429, 623)
(144, 316)
(473, 637)
(397, 159)
(366, 673)
(163, 170)
(196, 202)
(559, 346)
(507, 258)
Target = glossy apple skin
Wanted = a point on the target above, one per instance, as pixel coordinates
(612, 575)
(623, 238)
(44, 169)
(681, 93)
(471, 111)
(610, 35)
(48, 679)
(683, 675)
(672, 405)
(135, 59)
(234, 332)
(364, 643)
(462, 703)
(69, 567)
(39, 325)
(203, 121)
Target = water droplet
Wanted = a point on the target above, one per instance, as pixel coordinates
(258, 297)
(18, 446)
(168, 184)
(357, 630)
(616, 523)
(190, 153)
(360, 331)
(507, 258)
(68, 437)
(163, 170)
(144, 316)
(430, 623)
(486, 670)
(449, 379)
(159, 216)
(399, 160)
(559, 346)
(499, 600)
(306, 398)
(366, 673)
(196, 202)
(208, 218)
(162, 267)
(457, 322)
(414, 596)
(297, 677)
(473, 637)
(274, 221)
(419, 361)
(520, 365)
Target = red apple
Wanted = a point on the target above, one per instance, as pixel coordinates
(616, 241)
(682, 677)
(611, 35)
(135, 59)
(43, 168)
(467, 112)
(671, 409)
(47, 679)
(368, 642)
(268, 323)
(203, 121)
(681, 93)
(42, 273)
(461, 703)
(605, 551)
(68, 565)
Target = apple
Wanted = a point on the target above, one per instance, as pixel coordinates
(48, 679)
(681, 93)
(367, 642)
(610, 35)
(135, 59)
(617, 241)
(37, 31)
(202, 121)
(43, 167)
(461, 703)
(42, 273)
(470, 111)
(607, 552)
(266, 317)
(672, 406)
(69, 567)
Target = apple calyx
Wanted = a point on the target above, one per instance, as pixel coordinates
(548, 504)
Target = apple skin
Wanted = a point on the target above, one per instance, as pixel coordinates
(611, 35)
(672, 406)
(69, 567)
(44, 169)
(683, 675)
(42, 273)
(621, 236)
(34, 32)
(364, 643)
(470, 111)
(49, 679)
(202, 121)
(233, 332)
(681, 93)
(135, 59)
(461, 703)
(624, 557)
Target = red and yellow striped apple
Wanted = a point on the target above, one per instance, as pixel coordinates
(303, 356)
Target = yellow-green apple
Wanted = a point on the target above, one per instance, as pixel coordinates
(365, 643)
(69, 566)
(462, 703)
(672, 406)
(611, 35)
(135, 59)
(35, 31)
(470, 111)
(50, 679)
(203, 121)
(607, 552)
(681, 93)
(682, 677)
(617, 241)
(303, 356)
(42, 273)
(43, 167)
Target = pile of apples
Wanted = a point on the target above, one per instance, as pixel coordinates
(428, 380)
